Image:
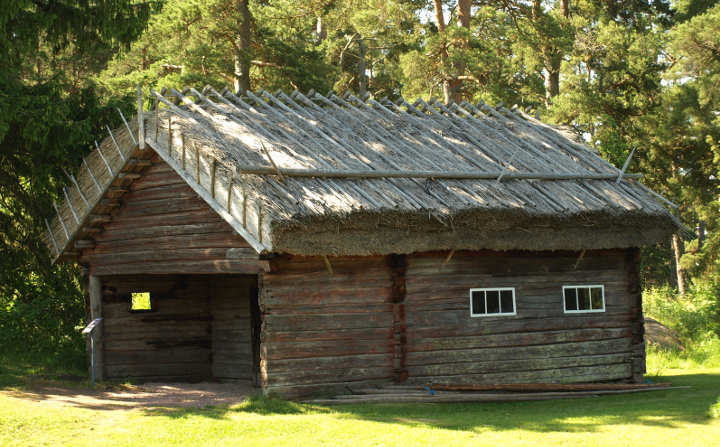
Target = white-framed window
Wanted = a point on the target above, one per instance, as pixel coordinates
(494, 301)
(584, 298)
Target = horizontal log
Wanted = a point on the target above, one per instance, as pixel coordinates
(159, 370)
(577, 374)
(565, 350)
(307, 365)
(182, 267)
(169, 355)
(326, 322)
(355, 174)
(329, 375)
(416, 344)
(440, 397)
(330, 348)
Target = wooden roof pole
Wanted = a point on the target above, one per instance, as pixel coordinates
(127, 126)
(117, 146)
(92, 176)
(141, 119)
(52, 238)
(112, 174)
(77, 185)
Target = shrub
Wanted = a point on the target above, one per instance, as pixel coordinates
(695, 316)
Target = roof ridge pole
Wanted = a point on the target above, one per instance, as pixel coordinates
(127, 126)
(625, 166)
(140, 118)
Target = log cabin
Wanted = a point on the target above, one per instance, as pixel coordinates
(309, 242)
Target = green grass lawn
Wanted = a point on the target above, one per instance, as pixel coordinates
(686, 417)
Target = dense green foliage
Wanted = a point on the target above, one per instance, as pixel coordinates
(49, 114)
(626, 75)
(695, 317)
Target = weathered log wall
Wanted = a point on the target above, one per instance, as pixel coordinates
(539, 344)
(161, 226)
(408, 318)
(322, 330)
(231, 327)
(198, 328)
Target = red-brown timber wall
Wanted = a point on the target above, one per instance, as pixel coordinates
(325, 331)
(408, 318)
(539, 344)
(163, 227)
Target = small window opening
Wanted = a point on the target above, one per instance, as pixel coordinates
(140, 301)
(494, 301)
(584, 298)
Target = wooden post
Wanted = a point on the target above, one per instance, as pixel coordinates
(213, 168)
(182, 142)
(634, 294)
(244, 207)
(398, 268)
(95, 292)
(170, 135)
(141, 119)
(229, 196)
(197, 165)
(259, 221)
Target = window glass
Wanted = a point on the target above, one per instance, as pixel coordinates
(492, 301)
(478, 302)
(507, 305)
(584, 298)
(596, 298)
(570, 299)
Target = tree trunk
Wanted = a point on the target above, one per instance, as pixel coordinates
(677, 245)
(463, 21)
(701, 234)
(565, 8)
(440, 17)
(552, 81)
(320, 32)
(242, 48)
(361, 67)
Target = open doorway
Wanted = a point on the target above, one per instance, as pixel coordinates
(181, 327)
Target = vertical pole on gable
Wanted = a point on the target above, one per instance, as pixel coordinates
(141, 119)
(95, 292)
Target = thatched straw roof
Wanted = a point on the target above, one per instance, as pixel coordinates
(328, 175)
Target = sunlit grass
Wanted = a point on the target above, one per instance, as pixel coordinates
(682, 417)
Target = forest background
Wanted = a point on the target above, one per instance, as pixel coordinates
(626, 75)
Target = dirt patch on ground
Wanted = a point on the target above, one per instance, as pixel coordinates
(148, 395)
